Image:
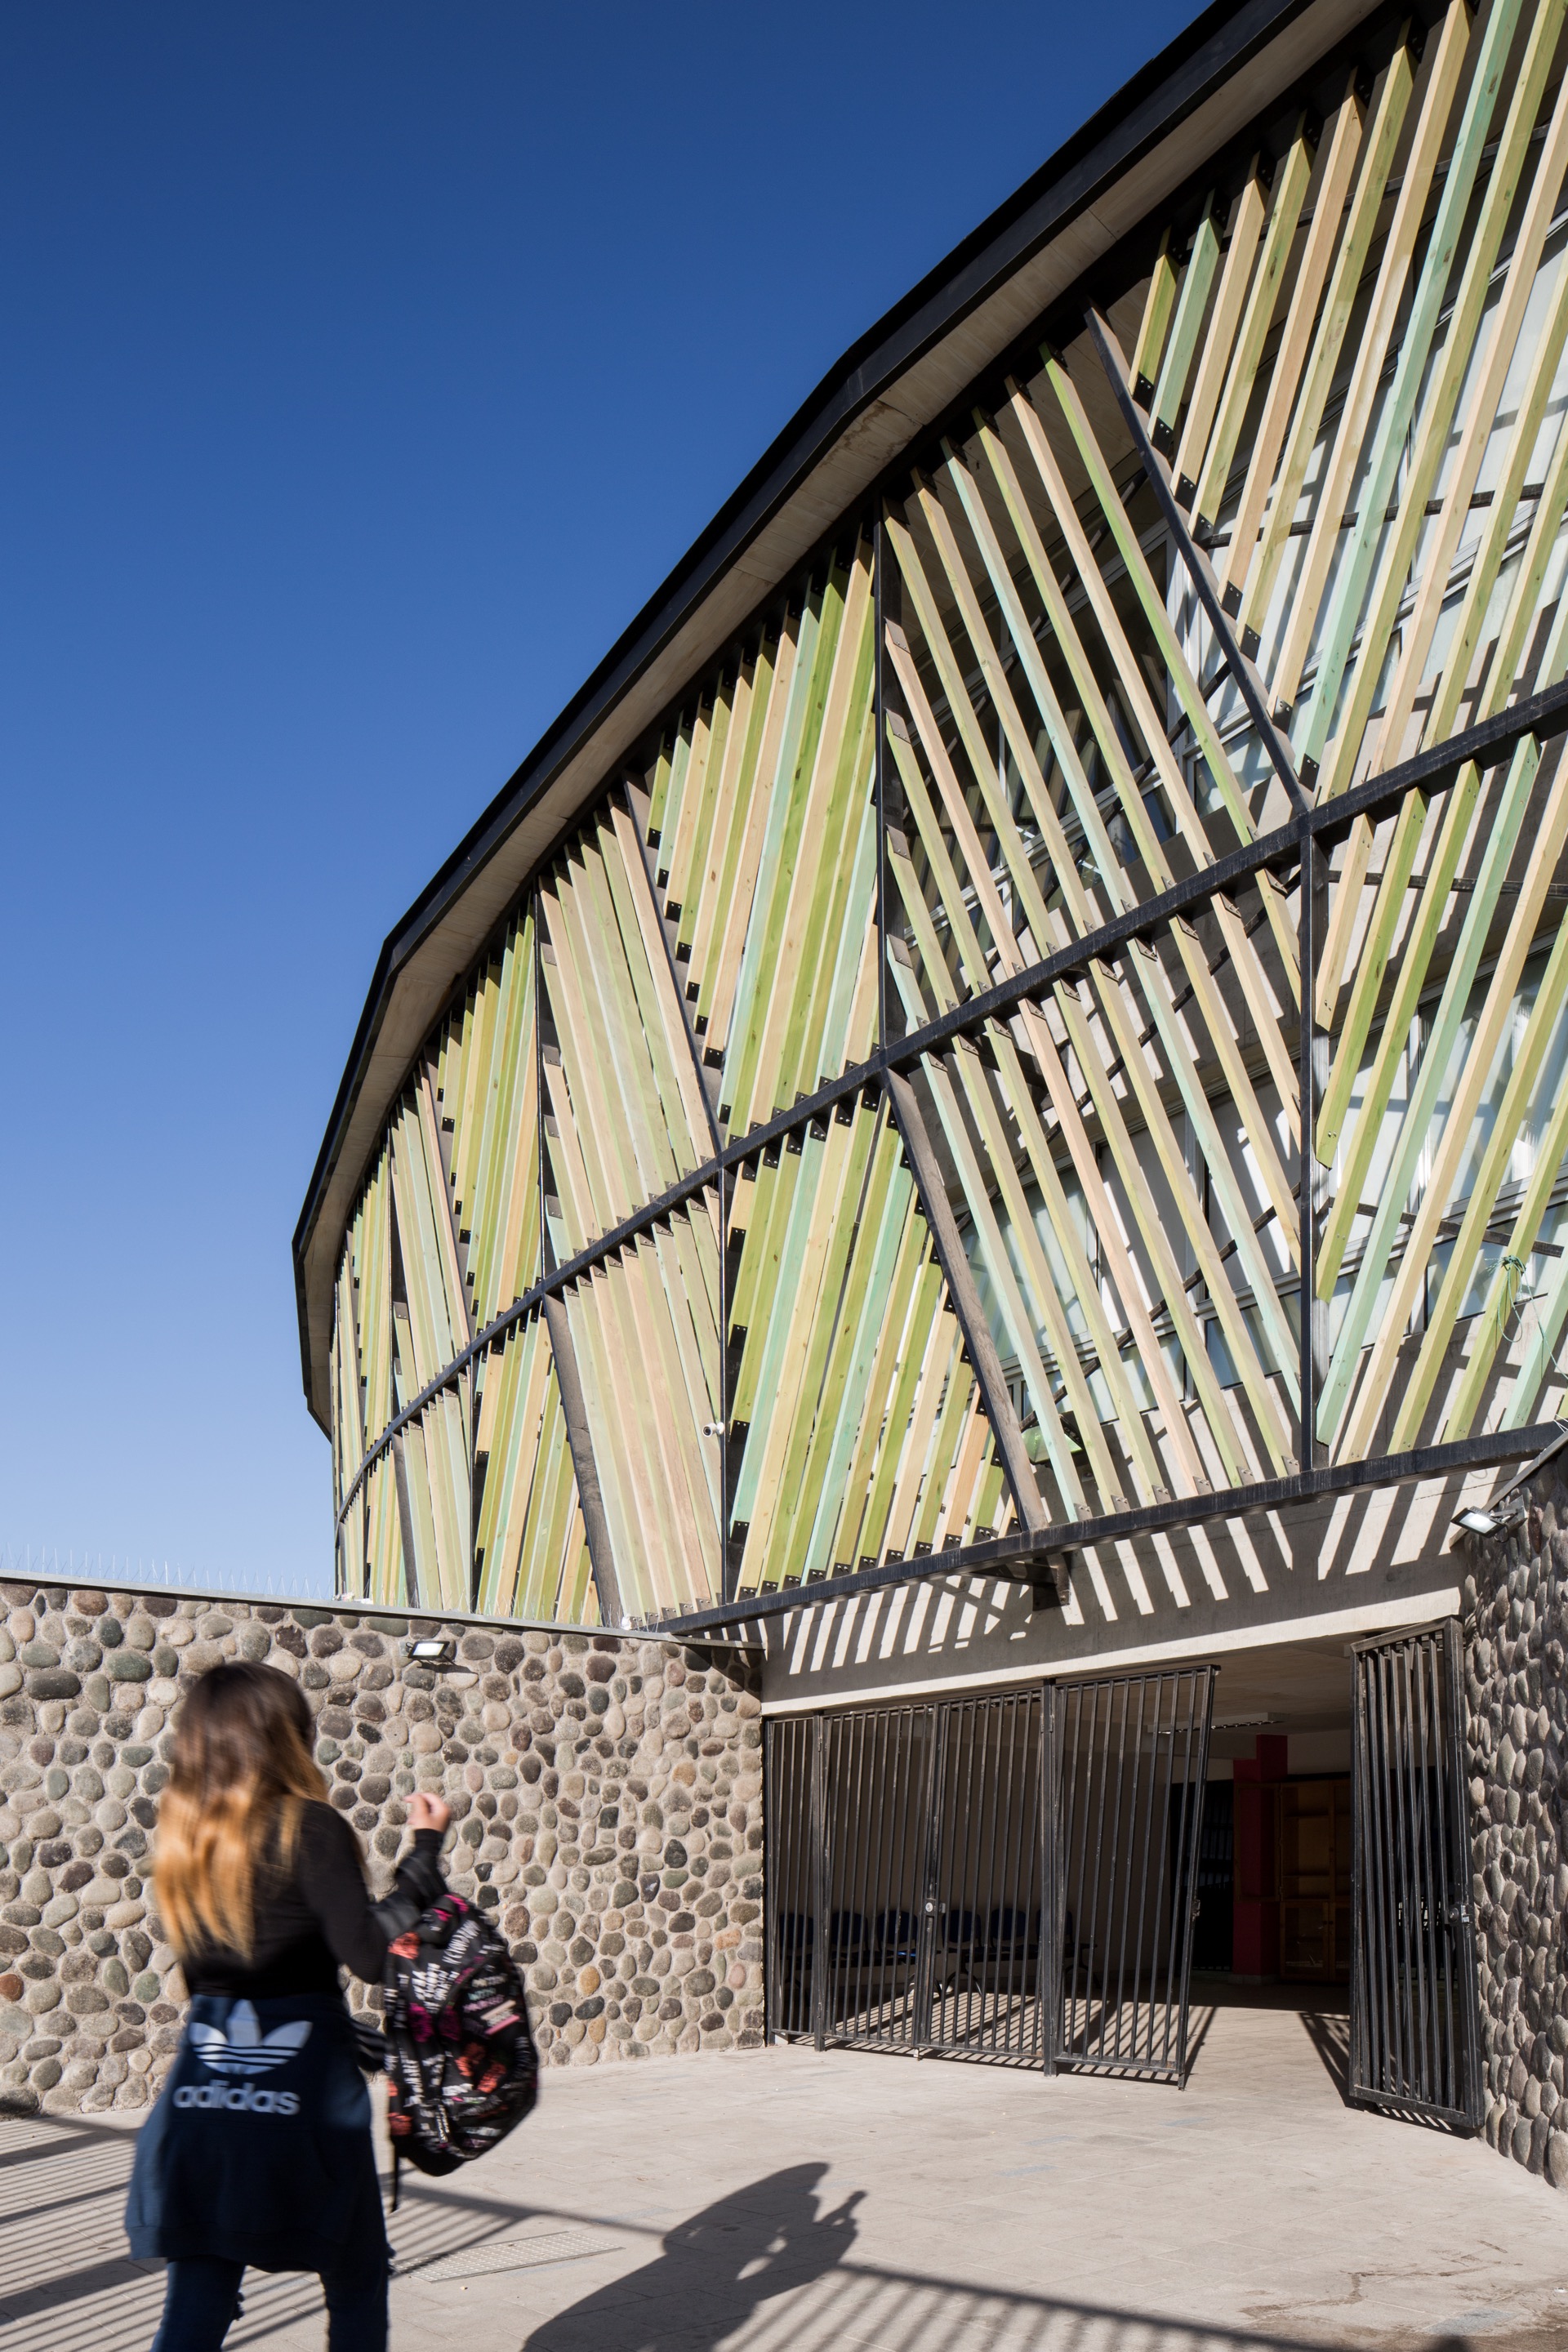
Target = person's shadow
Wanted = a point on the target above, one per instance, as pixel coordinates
(713, 2271)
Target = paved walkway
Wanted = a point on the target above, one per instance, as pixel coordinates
(779, 2199)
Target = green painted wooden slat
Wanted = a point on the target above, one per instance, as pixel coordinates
(1288, 194)
(1158, 305)
(1412, 826)
(1547, 836)
(1256, 571)
(1498, 851)
(1378, 484)
(1290, 371)
(1463, 1257)
(741, 1063)
(1191, 304)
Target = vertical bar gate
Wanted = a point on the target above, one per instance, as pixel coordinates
(1135, 1763)
(1008, 1879)
(1414, 2026)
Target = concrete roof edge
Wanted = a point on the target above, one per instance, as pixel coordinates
(1151, 106)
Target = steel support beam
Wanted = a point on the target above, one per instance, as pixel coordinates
(1015, 1559)
(1251, 686)
(596, 1526)
(1017, 1469)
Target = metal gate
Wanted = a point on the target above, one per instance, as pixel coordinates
(1414, 1994)
(1135, 1763)
(1008, 1879)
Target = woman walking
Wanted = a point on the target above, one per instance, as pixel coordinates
(259, 2151)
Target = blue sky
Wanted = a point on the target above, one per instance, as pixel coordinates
(365, 368)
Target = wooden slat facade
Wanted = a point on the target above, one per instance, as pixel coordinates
(1273, 504)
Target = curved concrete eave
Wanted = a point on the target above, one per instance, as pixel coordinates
(1223, 69)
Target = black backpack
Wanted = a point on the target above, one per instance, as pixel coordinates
(457, 2048)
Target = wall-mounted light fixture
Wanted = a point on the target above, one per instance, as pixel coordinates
(440, 1651)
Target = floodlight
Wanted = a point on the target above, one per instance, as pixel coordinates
(440, 1653)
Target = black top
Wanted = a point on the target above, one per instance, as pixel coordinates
(318, 1916)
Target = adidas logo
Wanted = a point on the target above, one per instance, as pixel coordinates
(245, 2050)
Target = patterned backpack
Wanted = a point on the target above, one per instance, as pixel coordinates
(458, 2051)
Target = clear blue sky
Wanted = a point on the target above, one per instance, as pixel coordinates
(365, 368)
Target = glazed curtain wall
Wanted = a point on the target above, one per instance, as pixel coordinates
(883, 1122)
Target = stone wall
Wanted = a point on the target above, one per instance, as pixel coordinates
(606, 1794)
(1516, 1611)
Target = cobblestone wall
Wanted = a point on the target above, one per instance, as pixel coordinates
(607, 1791)
(1516, 1596)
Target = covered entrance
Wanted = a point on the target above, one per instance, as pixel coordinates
(1066, 1875)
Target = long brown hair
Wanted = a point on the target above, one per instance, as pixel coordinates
(241, 1769)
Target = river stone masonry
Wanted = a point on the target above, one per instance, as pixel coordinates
(606, 1791)
(1516, 1613)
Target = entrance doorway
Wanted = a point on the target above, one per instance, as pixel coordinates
(1009, 1879)
(1059, 1877)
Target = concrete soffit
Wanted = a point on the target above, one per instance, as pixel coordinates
(1226, 68)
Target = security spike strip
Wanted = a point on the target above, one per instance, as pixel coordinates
(980, 814)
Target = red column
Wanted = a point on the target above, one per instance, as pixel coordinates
(1255, 1945)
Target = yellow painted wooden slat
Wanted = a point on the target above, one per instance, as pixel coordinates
(1245, 229)
(1288, 196)
(1442, 65)
(1291, 373)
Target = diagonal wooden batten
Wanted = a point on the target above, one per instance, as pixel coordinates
(1508, 650)
(1191, 306)
(810, 1272)
(853, 1535)
(1488, 559)
(1036, 1287)
(817, 631)
(590, 1104)
(1413, 1135)
(1249, 969)
(1219, 336)
(1020, 736)
(1159, 304)
(1442, 65)
(1189, 693)
(1290, 380)
(918, 1471)
(1289, 194)
(738, 798)
(962, 1290)
(1481, 1050)
(792, 1491)
(1464, 348)
(1016, 857)
(1185, 1469)
(1392, 103)
(1151, 980)
(1465, 1255)
(846, 1406)
(1484, 382)
(584, 1463)
(735, 896)
(827, 813)
(1413, 827)
(693, 1126)
(1178, 1177)
(1396, 414)
(742, 1084)
(709, 733)
(1539, 1363)
(1377, 948)
(644, 1027)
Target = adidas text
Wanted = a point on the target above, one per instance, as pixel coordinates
(239, 2098)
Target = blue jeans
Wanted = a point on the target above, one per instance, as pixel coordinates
(202, 2300)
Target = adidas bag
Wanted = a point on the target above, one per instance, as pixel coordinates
(459, 2053)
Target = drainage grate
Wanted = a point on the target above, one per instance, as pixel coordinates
(518, 2254)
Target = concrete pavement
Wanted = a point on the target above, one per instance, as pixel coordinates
(779, 2199)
